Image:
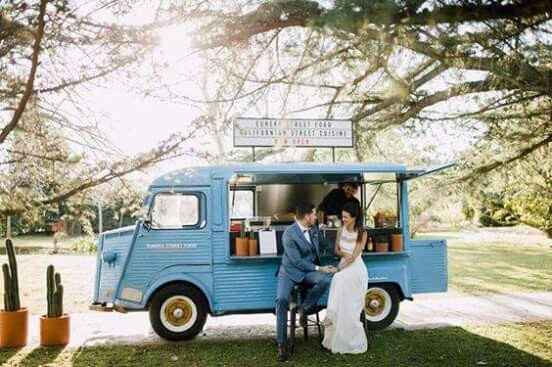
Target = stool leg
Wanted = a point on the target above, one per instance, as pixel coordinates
(306, 329)
(319, 328)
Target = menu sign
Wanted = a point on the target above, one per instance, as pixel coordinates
(265, 132)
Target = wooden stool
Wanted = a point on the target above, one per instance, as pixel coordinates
(296, 300)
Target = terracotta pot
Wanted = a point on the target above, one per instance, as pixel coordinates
(55, 330)
(14, 327)
(253, 247)
(382, 247)
(396, 242)
(242, 246)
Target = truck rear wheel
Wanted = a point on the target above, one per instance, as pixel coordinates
(178, 312)
(381, 306)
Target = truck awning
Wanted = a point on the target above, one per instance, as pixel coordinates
(419, 172)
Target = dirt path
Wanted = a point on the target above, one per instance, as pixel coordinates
(427, 311)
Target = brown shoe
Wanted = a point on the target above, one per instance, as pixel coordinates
(282, 353)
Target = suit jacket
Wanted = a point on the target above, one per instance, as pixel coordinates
(300, 256)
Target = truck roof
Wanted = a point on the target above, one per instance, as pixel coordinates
(205, 174)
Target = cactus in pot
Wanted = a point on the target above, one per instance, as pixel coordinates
(242, 242)
(243, 233)
(11, 281)
(14, 319)
(55, 326)
(54, 293)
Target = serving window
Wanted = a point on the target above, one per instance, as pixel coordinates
(266, 202)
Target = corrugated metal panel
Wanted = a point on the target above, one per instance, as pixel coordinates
(111, 273)
(220, 246)
(245, 285)
(428, 266)
(157, 250)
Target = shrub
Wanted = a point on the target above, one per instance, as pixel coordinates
(85, 245)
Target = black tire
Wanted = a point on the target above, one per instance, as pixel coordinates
(186, 301)
(381, 321)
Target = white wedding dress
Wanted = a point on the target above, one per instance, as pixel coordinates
(344, 332)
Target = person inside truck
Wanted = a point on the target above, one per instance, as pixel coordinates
(335, 200)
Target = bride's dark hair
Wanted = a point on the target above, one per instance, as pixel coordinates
(353, 208)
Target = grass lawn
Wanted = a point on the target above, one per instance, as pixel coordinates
(497, 261)
(499, 268)
(505, 345)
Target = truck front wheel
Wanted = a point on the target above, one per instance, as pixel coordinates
(178, 312)
(381, 306)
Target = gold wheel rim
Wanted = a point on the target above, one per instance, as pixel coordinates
(178, 312)
(374, 303)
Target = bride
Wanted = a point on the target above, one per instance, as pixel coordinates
(344, 332)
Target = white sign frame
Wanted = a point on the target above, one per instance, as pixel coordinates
(298, 133)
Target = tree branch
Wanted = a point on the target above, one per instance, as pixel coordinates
(30, 81)
(292, 13)
(481, 170)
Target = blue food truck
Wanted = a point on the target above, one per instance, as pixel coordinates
(180, 261)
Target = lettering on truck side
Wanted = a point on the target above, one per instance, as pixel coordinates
(170, 246)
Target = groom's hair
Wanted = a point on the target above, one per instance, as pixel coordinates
(303, 209)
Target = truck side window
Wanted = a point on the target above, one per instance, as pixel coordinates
(175, 210)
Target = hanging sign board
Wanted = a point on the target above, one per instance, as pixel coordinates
(266, 132)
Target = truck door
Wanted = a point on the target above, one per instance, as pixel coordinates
(427, 261)
(179, 239)
(428, 266)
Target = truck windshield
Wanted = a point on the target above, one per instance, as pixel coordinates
(175, 210)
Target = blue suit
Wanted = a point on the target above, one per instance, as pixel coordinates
(298, 267)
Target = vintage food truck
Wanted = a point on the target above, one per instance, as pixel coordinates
(180, 261)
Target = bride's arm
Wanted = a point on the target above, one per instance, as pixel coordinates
(338, 251)
(356, 252)
(360, 245)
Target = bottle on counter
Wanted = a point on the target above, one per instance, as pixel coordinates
(369, 244)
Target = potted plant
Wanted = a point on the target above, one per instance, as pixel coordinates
(242, 242)
(379, 219)
(381, 243)
(396, 242)
(14, 319)
(253, 245)
(55, 326)
(385, 219)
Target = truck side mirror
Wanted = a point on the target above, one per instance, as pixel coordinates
(147, 222)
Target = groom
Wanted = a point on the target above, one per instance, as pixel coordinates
(300, 265)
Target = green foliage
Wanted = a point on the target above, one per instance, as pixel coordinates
(351, 15)
(534, 208)
(86, 245)
(243, 233)
(54, 293)
(11, 280)
(468, 211)
(520, 193)
(121, 205)
(493, 211)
